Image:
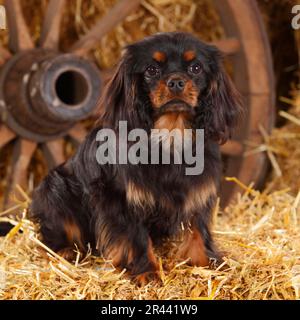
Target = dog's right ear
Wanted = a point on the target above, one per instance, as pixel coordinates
(226, 106)
(118, 99)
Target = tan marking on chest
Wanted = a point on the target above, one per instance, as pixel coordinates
(198, 197)
(169, 130)
(139, 196)
(172, 121)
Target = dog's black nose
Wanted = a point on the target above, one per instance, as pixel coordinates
(176, 85)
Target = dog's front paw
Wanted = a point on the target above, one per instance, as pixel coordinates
(68, 254)
(144, 278)
(215, 258)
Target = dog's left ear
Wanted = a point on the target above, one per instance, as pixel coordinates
(225, 104)
(120, 94)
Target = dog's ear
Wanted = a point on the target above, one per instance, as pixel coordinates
(225, 105)
(119, 97)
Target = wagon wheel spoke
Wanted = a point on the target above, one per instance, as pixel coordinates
(19, 37)
(4, 55)
(232, 148)
(78, 134)
(228, 46)
(6, 136)
(54, 152)
(51, 27)
(117, 14)
(22, 154)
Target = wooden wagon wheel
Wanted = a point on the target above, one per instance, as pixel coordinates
(38, 108)
(253, 76)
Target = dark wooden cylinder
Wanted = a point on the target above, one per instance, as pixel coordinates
(44, 93)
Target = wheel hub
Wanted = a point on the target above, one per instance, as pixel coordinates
(43, 93)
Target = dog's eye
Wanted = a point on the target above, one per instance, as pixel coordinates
(152, 71)
(195, 68)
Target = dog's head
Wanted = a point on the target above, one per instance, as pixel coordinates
(170, 77)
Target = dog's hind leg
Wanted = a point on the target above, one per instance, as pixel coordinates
(57, 206)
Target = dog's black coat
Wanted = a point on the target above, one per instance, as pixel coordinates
(122, 209)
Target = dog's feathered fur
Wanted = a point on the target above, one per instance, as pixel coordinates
(125, 210)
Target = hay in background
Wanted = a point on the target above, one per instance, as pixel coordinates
(259, 235)
(196, 16)
(153, 16)
(285, 144)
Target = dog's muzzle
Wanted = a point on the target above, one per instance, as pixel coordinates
(176, 105)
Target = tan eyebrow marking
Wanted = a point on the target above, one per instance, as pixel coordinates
(159, 56)
(189, 55)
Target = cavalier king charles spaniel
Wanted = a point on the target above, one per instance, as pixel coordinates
(123, 211)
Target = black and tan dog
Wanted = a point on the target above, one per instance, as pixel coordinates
(166, 81)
